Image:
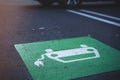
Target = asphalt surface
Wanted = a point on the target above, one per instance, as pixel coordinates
(25, 21)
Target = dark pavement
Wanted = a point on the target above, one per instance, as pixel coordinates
(26, 21)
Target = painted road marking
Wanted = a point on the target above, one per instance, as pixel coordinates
(95, 18)
(50, 54)
(58, 55)
(100, 14)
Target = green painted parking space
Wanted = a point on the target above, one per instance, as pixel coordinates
(68, 58)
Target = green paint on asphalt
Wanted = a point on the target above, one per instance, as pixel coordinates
(66, 59)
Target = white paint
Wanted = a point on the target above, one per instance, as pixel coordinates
(39, 63)
(73, 52)
(67, 53)
(104, 15)
(95, 18)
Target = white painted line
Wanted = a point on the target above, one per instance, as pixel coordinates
(57, 55)
(95, 18)
(104, 15)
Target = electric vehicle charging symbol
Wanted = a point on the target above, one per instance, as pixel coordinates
(58, 55)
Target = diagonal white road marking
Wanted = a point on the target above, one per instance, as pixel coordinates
(95, 18)
(100, 14)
